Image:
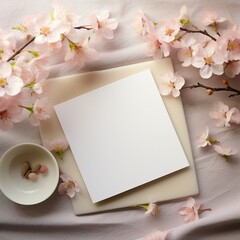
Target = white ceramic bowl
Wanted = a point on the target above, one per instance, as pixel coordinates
(20, 189)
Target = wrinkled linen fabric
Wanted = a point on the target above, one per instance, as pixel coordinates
(219, 181)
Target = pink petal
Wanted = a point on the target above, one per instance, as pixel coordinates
(5, 70)
(206, 72)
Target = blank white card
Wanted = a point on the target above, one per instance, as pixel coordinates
(121, 136)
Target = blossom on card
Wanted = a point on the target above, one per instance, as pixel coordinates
(223, 150)
(10, 112)
(142, 24)
(209, 60)
(9, 84)
(38, 111)
(58, 146)
(190, 210)
(204, 139)
(222, 115)
(103, 25)
(47, 30)
(157, 235)
(171, 84)
(211, 19)
(189, 49)
(69, 186)
(167, 32)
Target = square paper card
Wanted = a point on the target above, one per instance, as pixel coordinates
(121, 136)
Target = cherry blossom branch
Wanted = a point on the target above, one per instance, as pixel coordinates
(211, 90)
(32, 39)
(84, 27)
(204, 32)
(20, 49)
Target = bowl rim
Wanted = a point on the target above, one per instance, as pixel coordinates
(53, 159)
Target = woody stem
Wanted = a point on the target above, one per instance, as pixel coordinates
(204, 32)
(215, 89)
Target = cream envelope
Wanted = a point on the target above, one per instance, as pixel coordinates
(176, 185)
(121, 136)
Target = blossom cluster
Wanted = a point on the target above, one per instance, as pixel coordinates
(24, 70)
(223, 116)
(214, 50)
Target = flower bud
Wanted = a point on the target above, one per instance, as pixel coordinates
(209, 91)
(225, 82)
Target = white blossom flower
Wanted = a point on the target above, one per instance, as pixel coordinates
(38, 112)
(102, 24)
(81, 52)
(10, 113)
(224, 150)
(9, 84)
(222, 115)
(188, 49)
(58, 146)
(209, 60)
(47, 30)
(166, 32)
(171, 84)
(211, 18)
(142, 24)
(69, 186)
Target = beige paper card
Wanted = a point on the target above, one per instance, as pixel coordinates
(180, 184)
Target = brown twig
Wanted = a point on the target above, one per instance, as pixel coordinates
(20, 49)
(204, 32)
(211, 90)
(84, 27)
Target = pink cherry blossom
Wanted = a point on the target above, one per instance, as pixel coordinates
(232, 69)
(47, 30)
(190, 210)
(156, 48)
(9, 84)
(157, 235)
(189, 49)
(38, 112)
(167, 32)
(229, 43)
(222, 115)
(66, 16)
(235, 118)
(211, 18)
(142, 24)
(171, 84)
(223, 150)
(10, 113)
(204, 139)
(183, 17)
(209, 60)
(7, 45)
(151, 208)
(80, 53)
(58, 146)
(69, 186)
(102, 24)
